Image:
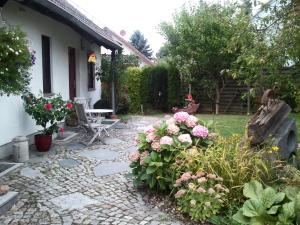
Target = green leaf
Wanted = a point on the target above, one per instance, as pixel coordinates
(253, 189)
(273, 210)
(253, 208)
(269, 197)
(154, 156)
(239, 217)
(151, 170)
(157, 164)
(291, 192)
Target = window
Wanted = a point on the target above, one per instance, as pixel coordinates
(91, 75)
(46, 65)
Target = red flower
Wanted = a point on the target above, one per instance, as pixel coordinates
(61, 130)
(69, 105)
(48, 106)
(189, 96)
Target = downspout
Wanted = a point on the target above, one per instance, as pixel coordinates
(113, 71)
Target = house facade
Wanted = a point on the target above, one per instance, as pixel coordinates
(129, 49)
(63, 38)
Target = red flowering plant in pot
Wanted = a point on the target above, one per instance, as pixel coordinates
(47, 112)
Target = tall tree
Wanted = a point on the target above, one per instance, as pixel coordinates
(197, 41)
(267, 43)
(140, 43)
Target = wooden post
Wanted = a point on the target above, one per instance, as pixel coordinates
(113, 72)
(248, 102)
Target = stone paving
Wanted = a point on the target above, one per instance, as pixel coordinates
(73, 184)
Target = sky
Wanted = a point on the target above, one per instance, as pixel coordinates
(131, 15)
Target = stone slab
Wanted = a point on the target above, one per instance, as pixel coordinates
(73, 201)
(68, 163)
(31, 173)
(75, 146)
(100, 154)
(66, 137)
(8, 167)
(7, 201)
(112, 141)
(121, 126)
(111, 168)
(131, 149)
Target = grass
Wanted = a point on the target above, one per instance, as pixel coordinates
(226, 125)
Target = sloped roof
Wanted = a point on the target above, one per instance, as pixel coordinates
(66, 13)
(140, 55)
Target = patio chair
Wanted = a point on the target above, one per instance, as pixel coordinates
(93, 128)
(191, 108)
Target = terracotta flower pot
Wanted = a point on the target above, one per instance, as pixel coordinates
(43, 142)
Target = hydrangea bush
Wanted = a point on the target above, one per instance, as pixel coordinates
(200, 195)
(159, 145)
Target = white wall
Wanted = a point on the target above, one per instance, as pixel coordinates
(13, 119)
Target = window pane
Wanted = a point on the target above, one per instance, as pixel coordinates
(46, 64)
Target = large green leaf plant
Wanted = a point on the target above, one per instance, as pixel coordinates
(266, 206)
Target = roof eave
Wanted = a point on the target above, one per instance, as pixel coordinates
(48, 8)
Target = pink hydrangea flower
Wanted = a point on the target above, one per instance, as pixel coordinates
(156, 146)
(173, 129)
(186, 176)
(211, 191)
(200, 174)
(201, 190)
(185, 138)
(200, 131)
(170, 121)
(202, 180)
(181, 117)
(179, 193)
(134, 156)
(191, 186)
(191, 121)
(177, 182)
(166, 140)
(150, 137)
(211, 176)
(149, 129)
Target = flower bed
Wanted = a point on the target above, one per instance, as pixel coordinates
(205, 174)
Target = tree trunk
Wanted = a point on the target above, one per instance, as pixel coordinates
(217, 99)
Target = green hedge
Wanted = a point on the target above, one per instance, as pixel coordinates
(133, 79)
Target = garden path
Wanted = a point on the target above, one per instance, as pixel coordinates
(73, 184)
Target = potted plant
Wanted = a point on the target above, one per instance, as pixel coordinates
(47, 112)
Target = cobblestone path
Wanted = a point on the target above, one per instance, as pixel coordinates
(76, 185)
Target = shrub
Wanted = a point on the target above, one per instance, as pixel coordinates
(159, 145)
(134, 77)
(235, 164)
(47, 111)
(267, 206)
(200, 195)
(15, 59)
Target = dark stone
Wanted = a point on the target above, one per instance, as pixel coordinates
(286, 138)
(266, 121)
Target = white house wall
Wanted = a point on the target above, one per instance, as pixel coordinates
(13, 119)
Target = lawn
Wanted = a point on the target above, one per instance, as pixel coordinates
(227, 125)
